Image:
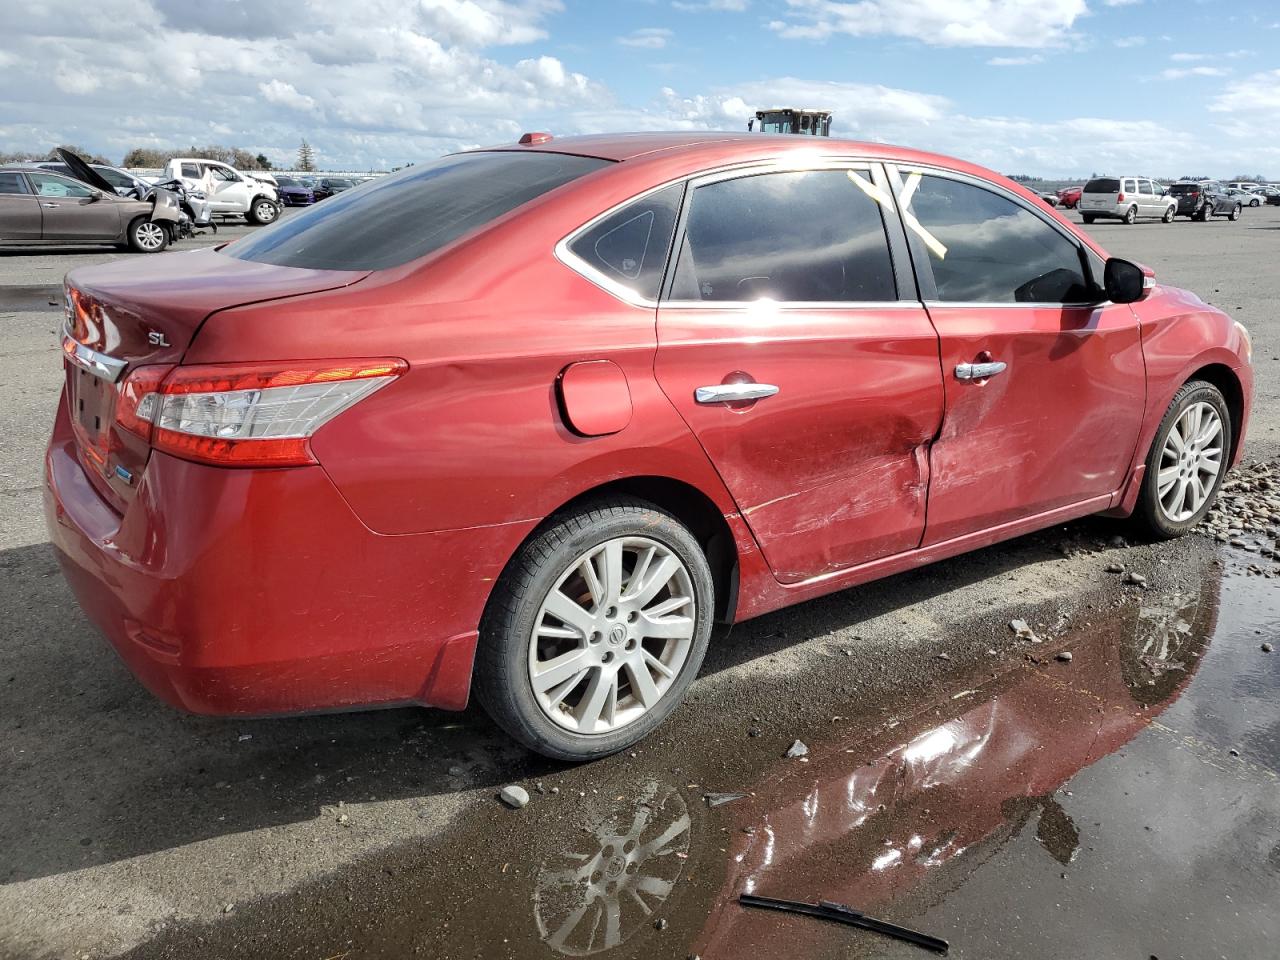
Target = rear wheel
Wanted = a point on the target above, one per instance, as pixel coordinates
(1186, 463)
(1168, 215)
(1088, 217)
(1131, 215)
(147, 236)
(596, 630)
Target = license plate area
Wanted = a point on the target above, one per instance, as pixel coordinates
(92, 409)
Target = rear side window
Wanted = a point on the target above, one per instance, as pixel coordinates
(1102, 185)
(630, 246)
(806, 236)
(984, 248)
(412, 213)
(12, 183)
(191, 171)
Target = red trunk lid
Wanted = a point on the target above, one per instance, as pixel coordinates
(146, 311)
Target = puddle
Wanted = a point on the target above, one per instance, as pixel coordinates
(1033, 807)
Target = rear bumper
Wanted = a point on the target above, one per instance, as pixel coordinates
(254, 592)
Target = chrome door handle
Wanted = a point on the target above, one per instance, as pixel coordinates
(980, 371)
(733, 392)
(48, 204)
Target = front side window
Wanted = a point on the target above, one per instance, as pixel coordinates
(49, 185)
(630, 246)
(985, 248)
(805, 236)
(222, 173)
(191, 171)
(12, 183)
(412, 213)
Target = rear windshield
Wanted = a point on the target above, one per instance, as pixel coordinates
(407, 215)
(1181, 189)
(1102, 185)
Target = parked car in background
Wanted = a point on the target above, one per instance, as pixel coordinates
(551, 482)
(1272, 195)
(1246, 198)
(1050, 198)
(1242, 185)
(294, 192)
(233, 194)
(1202, 199)
(327, 186)
(1069, 197)
(39, 206)
(1125, 199)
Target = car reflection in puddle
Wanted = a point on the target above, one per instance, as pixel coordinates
(899, 822)
(591, 898)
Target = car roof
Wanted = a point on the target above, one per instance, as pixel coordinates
(719, 147)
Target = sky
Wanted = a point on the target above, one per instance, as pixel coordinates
(1056, 88)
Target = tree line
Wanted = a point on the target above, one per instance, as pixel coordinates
(148, 156)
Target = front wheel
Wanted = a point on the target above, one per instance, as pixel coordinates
(147, 236)
(1168, 215)
(1187, 462)
(1088, 217)
(1255, 202)
(1131, 215)
(596, 630)
(262, 212)
(1235, 212)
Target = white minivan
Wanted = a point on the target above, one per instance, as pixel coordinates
(233, 194)
(1126, 199)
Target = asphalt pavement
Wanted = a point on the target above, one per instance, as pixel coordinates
(959, 779)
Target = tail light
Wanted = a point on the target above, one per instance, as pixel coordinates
(1120, 198)
(250, 415)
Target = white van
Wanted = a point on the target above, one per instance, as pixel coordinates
(234, 193)
(1125, 199)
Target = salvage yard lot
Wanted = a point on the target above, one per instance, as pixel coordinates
(125, 826)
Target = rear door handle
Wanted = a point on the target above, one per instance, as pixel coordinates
(980, 371)
(734, 392)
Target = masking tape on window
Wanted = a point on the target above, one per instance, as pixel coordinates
(936, 246)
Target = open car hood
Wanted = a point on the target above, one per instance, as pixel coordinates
(85, 173)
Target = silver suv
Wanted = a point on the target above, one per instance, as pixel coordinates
(1126, 199)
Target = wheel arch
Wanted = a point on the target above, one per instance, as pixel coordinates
(688, 504)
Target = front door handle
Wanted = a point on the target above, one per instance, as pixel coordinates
(48, 204)
(980, 371)
(734, 392)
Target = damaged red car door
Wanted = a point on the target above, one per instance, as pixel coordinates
(1044, 379)
(804, 362)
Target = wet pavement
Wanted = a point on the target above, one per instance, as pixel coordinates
(1122, 803)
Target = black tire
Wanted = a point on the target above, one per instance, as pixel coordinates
(262, 211)
(1148, 515)
(502, 682)
(1201, 215)
(1169, 215)
(1255, 202)
(1131, 216)
(1235, 212)
(1088, 217)
(147, 236)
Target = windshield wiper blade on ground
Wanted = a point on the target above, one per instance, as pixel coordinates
(838, 912)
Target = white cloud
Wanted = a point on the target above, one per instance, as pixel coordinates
(1126, 42)
(945, 23)
(1257, 96)
(285, 95)
(1179, 73)
(649, 38)
(74, 79)
(1015, 61)
(728, 6)
(1121, 3)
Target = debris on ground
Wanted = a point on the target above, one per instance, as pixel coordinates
(1247, 513)
(797, 749)
(720, 799)
(1135, 578)
(839, 913)
(1023, 631)
(1115, 568)
(1064, 656)
(1267, 648)
(514, 796)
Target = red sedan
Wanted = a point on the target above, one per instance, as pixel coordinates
(1069, 197)
(531, 418)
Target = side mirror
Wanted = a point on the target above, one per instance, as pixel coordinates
(1125, 282)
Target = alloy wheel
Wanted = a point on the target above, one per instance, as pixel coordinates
(1190, 462)
(265, 212)
(612, 635)
(150, 236)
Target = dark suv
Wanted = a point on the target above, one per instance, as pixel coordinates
(1200, 200)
